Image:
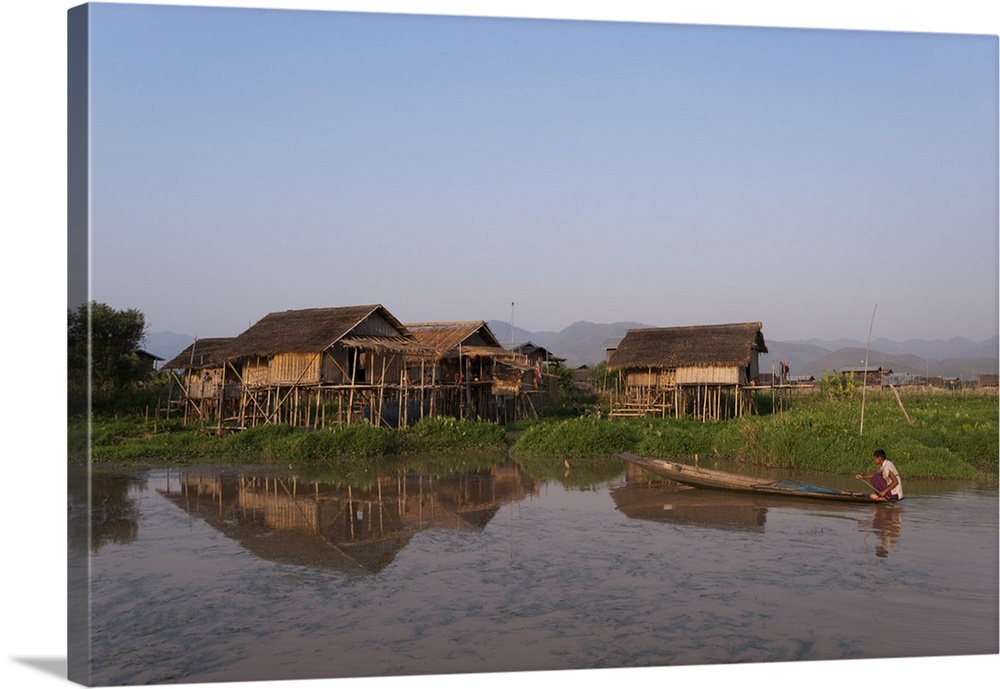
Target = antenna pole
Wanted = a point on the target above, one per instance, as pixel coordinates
(512, 325)
(864, 374)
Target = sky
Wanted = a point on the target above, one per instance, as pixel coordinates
(543, 171)
(637, 173)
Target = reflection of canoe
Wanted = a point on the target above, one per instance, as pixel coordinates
(722, 480)
(676, 504)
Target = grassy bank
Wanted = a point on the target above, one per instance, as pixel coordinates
(943, 436)
(126, 440)
(931, 436)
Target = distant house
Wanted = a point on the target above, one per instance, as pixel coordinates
(703, 371)
(537, 354)
(802, 381)
(463, 349)
(609, 346)
(470, 369)
(148, 358)
(867, 376)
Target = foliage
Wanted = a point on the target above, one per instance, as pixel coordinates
(564, 375)
(262, 442)
(101, 352)
(837, 385)
(604, 380)
(444, 433)
(676, 438)
(947, 435)
(579, 437)
(361, 440)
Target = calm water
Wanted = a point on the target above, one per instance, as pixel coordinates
(221, 575)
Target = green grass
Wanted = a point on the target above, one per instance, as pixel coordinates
(946, 436)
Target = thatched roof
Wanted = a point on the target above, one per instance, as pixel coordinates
(474, 337)
(695, 345)
(208, 352)
(315, 330)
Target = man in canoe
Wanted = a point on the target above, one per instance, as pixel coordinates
(885, 481)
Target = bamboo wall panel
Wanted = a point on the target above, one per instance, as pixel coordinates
(711, 375)
(294, 369)
(254, 373)
(651, 378)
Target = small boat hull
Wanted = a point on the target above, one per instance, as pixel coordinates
(722, 480)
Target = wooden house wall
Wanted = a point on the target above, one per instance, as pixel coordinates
(334, 367)
(204, 384)
(331, 368)
(710, 375)
(377, 367)
(294, 369)
(375, 325)
(254, 372)
(661, 378)
(476, 339)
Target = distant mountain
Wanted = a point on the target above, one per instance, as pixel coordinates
(957, 357)
(580, 343)
(583, 343)
(956, 347)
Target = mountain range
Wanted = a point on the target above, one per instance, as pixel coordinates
(584, 343)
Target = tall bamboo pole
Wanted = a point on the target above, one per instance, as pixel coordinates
(864, 379)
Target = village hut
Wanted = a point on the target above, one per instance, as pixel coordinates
(148, 359)
(705, 371)
(298, 366)
(537, 355)
(199, 371)
(473, 376)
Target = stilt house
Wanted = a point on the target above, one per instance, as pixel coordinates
(301, 366)
(200, 372)
(705, 371)
(473, 375)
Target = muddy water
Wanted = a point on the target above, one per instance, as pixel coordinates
(222, 575)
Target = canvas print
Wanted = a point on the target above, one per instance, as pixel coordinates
(413, 345)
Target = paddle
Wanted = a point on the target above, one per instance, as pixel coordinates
(865, 481)
(875, 495)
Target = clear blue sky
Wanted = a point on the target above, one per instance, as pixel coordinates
(247, 161)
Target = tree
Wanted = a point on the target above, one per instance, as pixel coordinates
(102, 349)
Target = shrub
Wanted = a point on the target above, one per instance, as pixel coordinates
(581, 437)
(363, 440)
(446, 433)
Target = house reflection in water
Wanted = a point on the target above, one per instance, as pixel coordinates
(659, 500)
(293, 521)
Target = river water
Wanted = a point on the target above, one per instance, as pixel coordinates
(219, 574)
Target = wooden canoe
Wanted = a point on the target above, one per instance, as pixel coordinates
(722, 480)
